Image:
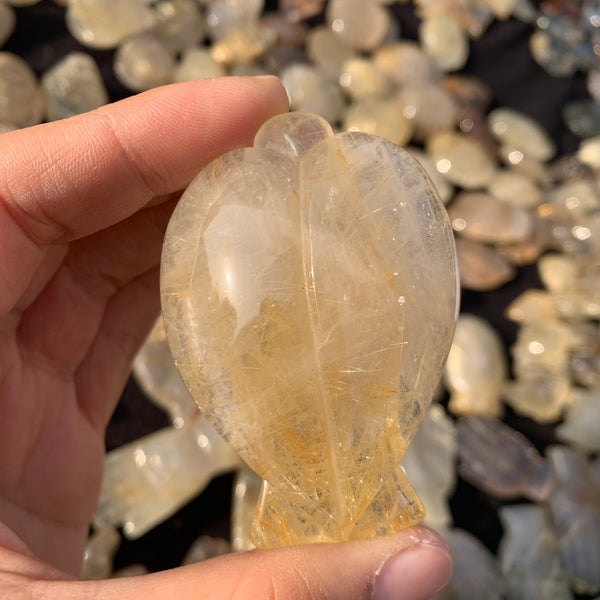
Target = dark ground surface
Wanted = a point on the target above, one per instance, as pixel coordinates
(501, 59)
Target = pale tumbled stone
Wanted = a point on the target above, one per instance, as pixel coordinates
(155, 372)
(484, 218)
(224, 16)
(292, 281)
(242, 46)
(429, 107)
(530, 555)
(99, 553)
(475, 369)
(558, 272)
(429, 465)
(542, 398)
(246, 491)
(443, 187)
(580, 426)
(297, 10)
(146, 481)
(532, 306)
(515, 188)
(405, 63)
(362, 25)
(73, 86)
(21, 97)
(460, 159)
(525, 165)
(578, 198)
(480, 267)
(197, 63)
(501, 461)
(135, 570)
(474, 573)
(310, 91)
(7, 22)
(205, 547)
(180, 24)
(502, 9)
(328, 51)
(384, 118)
(514, 128)
(104, 24)
(589, 151)
(361, 79)
(445, 41)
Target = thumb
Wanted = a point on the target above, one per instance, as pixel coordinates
(410, 565)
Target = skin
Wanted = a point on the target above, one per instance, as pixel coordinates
(84, 203)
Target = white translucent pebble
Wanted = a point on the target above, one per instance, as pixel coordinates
(223, 16)
(482, 217)
(443, 187)
(328, 51)
(475, 369)
(157, 375)
(384, 118)
(143, 62)
(581, 197)
(73, 86)
(197, 63)
(445, 41)
(134, 570)
(480, 267)
(180, 24)
(532, 306)
(542, 398)
(581, 426)
(474, 574)
(104, 24)
(146, 481)
(7, 22)
(517, 162)
(362, 25)
(310, 91)
(99, 553)
(405, 63)
(514, 128)
(530, 556)
(246, 490)
(429, 465)
(589, 151)
(21, 96)
(243, 45)
(430, 108)
(361, 79)
(558, 272)
(502, 9)
(205, 547)
(461, 159)
(516, 188)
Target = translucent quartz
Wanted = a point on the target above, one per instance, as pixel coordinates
(558, 272)
(99, 553)
(311, 91)
(148, 480)
(429, 465)
(581, 425)
(468, 92)
(578, 198)
(224, 16)
(205, 547)
(181, 24)
(460, 159)
(530, 556)
(540, 397)
(475, 574)
(515, 188)
(157, 375)
(443, 187)
(532, 306)
(247, 486)
(297, 10)
(517, 162)
(21, 96)
(554, 44)
(480, 267)
(430, 108)
(528, 251)
(501, 461)
(134, 570)
(309, 290)
(445, 41)
(575, 509)
(328, 51)
(406, 63)
(288, 34)
(482, 217)
(143, 62)
(384, 118)
(582, 117)
(197, 63)
(361, 79)
(7, 22)
(513, 128)
(242, 46)
(104, 24)
(476, 368)
(589, 151)
(73, 86)
(502, 9)
(362, 25)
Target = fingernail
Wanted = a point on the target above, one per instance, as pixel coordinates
(416, 573)
(266, 77)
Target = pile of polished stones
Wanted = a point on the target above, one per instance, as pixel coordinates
(511, 202)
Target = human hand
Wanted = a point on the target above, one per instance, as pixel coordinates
(83, 207)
